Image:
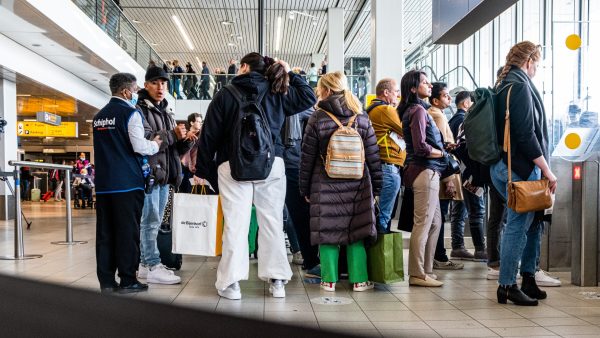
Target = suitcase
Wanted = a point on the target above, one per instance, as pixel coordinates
(164, 239)
(35, 195)
(47, 196)
(164, 242)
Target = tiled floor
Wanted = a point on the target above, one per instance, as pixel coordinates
(464, 307)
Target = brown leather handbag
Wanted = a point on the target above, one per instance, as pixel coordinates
(523, 196)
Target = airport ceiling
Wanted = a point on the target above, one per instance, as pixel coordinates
(303, 27)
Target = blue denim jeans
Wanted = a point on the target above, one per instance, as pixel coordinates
(152, 215)
(176, 90)
(473, 207)
(514, 239)
(389, 191)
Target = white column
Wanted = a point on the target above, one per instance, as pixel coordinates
(8, 143)
(387, 47)
(335, 39)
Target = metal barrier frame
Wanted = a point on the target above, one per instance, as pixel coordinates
(19, 244)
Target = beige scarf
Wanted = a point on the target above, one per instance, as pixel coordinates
(442, 123)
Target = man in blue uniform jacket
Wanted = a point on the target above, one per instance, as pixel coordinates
(119, 145)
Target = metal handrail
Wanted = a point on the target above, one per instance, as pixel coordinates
(457, 68)
(67, 169)
(432, 72)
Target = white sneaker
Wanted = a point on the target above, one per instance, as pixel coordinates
(142, 271)
(277, 288)
(159, 274)
(297, 258)
(542, 278)
(232, 292)
(364, 286)
(328, 286)
(493, 274)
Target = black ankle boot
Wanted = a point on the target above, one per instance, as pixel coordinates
(515, 295)
(530, 288)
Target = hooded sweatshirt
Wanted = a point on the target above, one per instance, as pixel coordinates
(216, 137)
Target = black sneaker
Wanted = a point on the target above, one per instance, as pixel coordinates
(134, 287)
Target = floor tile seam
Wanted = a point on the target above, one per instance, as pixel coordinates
(490, 328)
(188, 282)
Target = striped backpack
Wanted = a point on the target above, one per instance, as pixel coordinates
(345, 151)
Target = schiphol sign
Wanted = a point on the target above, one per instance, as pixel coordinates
(49, 118)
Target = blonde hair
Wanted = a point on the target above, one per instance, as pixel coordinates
(337, 83)
(518, 55)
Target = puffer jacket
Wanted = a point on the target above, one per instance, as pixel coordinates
(341, 210)
(158, 120)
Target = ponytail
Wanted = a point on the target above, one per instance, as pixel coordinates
(352, 102)
(278, 78)
(337, 83)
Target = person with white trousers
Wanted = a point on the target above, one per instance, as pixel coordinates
(283, 94)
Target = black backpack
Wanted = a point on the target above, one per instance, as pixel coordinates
(252, 151)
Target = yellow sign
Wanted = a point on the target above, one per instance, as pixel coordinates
(38, 129)
(573, 141)
(573, 41)
(368, 99)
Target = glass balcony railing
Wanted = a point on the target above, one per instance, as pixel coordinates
(195, 86)
(111, 19)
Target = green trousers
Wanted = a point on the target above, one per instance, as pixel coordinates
(357, 262)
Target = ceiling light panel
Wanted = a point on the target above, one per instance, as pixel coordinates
(182, 32)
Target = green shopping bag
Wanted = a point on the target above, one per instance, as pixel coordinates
(385, 259)
(253, 233)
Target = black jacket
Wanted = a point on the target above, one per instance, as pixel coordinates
(222, 114)
(528, 128)
(291, 135)
(158, 120)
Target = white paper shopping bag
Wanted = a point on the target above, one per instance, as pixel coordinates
(197, 225)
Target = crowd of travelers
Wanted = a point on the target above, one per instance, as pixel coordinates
(82, 183)
(272, 142)
(187, 83)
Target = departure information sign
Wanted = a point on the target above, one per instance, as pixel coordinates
(38, 129)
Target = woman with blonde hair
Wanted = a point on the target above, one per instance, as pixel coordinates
(528, 129)
(341, 210)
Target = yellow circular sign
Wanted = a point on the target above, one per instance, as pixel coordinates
(573, 41)
(573, 141)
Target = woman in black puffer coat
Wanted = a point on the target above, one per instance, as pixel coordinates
(341, 210)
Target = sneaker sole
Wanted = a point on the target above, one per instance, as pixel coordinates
(492, 277)
(276, 295)
(462, 258)
(362, 289)
(448, 268)
(154, 281)
(232, 298)
(548, 284)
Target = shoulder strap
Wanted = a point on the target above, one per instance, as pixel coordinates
(237, 94)
(507, 134)
(374, 104)
(352, 119)
(333, 118)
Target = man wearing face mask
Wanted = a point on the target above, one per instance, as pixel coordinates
(166, 168)
(119, 145)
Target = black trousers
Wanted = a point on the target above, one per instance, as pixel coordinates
(118, 236)
(299, 211)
